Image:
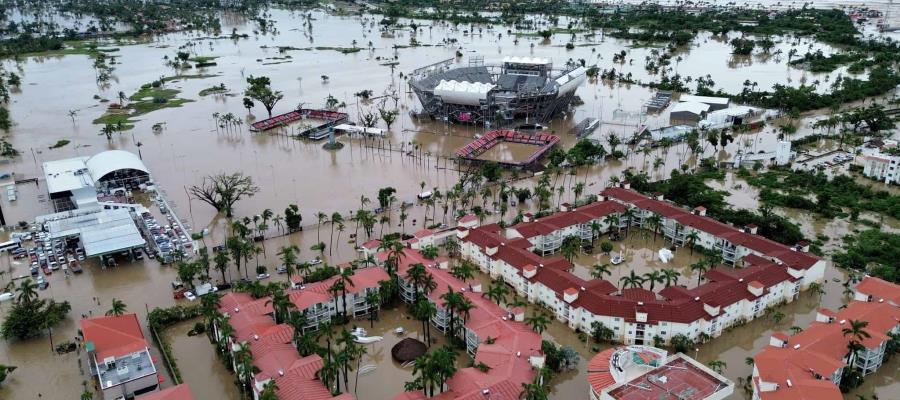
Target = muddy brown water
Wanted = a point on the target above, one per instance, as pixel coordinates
(190, 145)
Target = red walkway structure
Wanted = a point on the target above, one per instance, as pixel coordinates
(332, 118)
(477, 147)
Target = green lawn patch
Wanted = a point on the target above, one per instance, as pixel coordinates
(60, 143)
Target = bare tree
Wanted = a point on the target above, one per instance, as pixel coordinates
(222, 191)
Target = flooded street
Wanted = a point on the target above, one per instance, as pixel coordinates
(198, 362)
(182, 145)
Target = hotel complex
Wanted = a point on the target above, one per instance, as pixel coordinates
(810, 364)
(766, 273)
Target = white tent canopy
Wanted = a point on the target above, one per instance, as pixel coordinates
(110, 161)
(465, 93)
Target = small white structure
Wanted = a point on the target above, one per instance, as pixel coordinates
(714, 103)
(728, 117)
(360, 130)
(570, 81)
(464, 93)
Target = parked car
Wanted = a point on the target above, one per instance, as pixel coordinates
(262, 276)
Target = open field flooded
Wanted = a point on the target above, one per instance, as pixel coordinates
(182, 145)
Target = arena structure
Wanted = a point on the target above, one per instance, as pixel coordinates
(531, 147)
(518, 88)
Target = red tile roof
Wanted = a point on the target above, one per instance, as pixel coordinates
(819, 350)
(786, 254)
(561, 220)
(513, 342)
(598, 370)
(114, 336)
(879, 289)
(724, 286)
(180, 392)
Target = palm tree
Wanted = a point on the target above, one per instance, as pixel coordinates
(633, 280)
(628, 216)
(425, 310)
(243, 361)
(26, 292)
(497, 292)
(670, 276)
(653, 277)
(452, 300)
(345, 282)
(322, 218)
(415, 275)
(718, 366)
(700, 268)
(118, 308)
(268, 392)
(856, 332)
(654, 222)
(220, 262)
(692, 238)
(282, 305)
(612, 220)
(538, 322)
(599, 270)
(289, 259)
(336, 219)
(464, 271)
(373, 300)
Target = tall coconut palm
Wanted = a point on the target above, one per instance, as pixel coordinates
(700, 268)
(26, 292)
(653, 277)
(414, 275)
(855, 331)
(281, 304)
(288, 256)
(322, 218)
(632, 279)
(346, 281)
(373, 300)
(671, 276)
(497, 292)
(599, 270)
(117, 309)
(692, 237)
(220, 262)
(538, 322)
(654, 222)
(463, 271)
(243, 360)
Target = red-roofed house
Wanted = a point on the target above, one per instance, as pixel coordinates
(809, 365)
(118, 356)
(877, 290)
(180, 392)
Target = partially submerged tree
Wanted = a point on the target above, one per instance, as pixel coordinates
(261, 91)
(222, 191)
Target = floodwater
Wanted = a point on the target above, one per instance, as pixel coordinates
(508, 152)
(388, 377)
(640, 250)
(198, 362)
(189, 145)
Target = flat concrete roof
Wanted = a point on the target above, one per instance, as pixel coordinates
(101, 231)
(66, 175)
